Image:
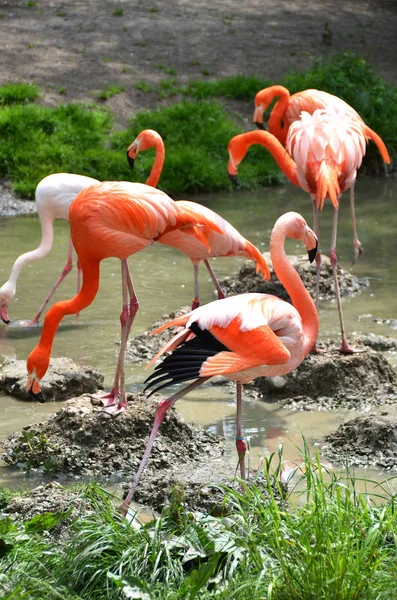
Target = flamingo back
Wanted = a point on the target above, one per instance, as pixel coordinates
(55, 193)
(328, 147)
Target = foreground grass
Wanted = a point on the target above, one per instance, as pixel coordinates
(38, 140)
(331, 542)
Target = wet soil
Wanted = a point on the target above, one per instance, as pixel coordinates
(366, 441)
(64, 379)
(82, 439)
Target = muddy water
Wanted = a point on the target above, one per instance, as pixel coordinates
(163, 281)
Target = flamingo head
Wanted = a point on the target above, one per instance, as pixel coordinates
(37, 365)
(297, 229)
(7, 293)
(148, 138)
(262, 101)
(237, 150)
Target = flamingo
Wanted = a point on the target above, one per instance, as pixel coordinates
(53, 197)
(324, 151)
(110, 219)
(241, 337)
(228, 243)
(288, 109)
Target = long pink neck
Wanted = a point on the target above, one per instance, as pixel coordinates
(277, 150)
(277, 125)
(157, 167)
(290, 279)
(83, 299)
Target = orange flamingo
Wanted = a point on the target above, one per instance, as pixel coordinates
(228, 243)
(111, 219)
(241, 337)
(325, 150)
(288, 109)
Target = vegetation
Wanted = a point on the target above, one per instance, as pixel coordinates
(322, 540)
(38, 140)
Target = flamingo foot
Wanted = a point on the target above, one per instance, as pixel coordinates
(345, 348)
(358, 250)
(316, 350)
(195, 303)
(109, 399)
(116, 409)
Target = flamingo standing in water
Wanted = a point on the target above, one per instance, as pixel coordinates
(111, 219)
(324, 151)
(241, 337)
(289, 108)
(228, 243)
(53, 197)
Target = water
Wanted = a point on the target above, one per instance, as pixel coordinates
(163, 279)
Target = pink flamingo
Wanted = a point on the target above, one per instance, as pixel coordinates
(241, 337)
(53, 197)
(228, 243)
(110, 219)
(289, 108)
(324, 151)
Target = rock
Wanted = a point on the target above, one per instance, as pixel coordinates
(82, 439)
(64, 379)
(332, 380)
(11, 205)
(248, 281)
(366, 441)
(381, 343)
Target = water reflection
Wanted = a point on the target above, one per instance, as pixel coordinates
(163, 281)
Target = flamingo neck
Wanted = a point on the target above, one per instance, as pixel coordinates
(83, 299)
(157, 167)
(277, 150)
(277, 125)
(290, 279)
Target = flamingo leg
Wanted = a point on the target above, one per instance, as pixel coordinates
(130, 308)
(240, 442)
(358, 249)
(221, 294)
(67, 268)
(162, 408)
(314, 349)
(345, 346)
(196, 301)
(78, 280)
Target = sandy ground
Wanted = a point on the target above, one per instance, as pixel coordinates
(73, 48)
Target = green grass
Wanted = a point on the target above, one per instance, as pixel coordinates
(109, 91)
(38, 140)
(323, 540)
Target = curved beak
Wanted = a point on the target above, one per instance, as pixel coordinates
(232, 171)
(234, 179)
(32, 385)
(39, 396)
(312, 253)
(4, 315)
(131, 161)
(311, 243)
(258, 117)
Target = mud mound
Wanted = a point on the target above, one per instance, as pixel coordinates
(367, 441)
(64, 379)
(248, 281)
(332, 380)
(82, 439)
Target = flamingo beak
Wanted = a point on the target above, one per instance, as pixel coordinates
(33, 389)
(4, 315)
(232, 171)
(234, 179)
(312, 252)
(131, 161)
(258, 117)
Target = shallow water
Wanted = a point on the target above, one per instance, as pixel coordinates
(163, 280)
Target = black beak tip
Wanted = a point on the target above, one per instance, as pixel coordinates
(234, 180)
(38, 397)
(131, 161)
(312, 253)
(7, 322)
(260, 125)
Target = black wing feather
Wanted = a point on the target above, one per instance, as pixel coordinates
(184, 363)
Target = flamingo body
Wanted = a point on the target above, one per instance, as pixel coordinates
(241, 337)
(110, 219)
(53, 197)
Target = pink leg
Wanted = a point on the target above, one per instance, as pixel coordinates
(240, 442)
(358, 249)
(345, 346)
(130, 308)
(78, 280)
(221, 294)
(196, 301)
(314, 349)
(67, 268)
(162, 408)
